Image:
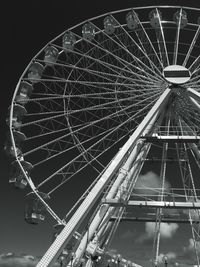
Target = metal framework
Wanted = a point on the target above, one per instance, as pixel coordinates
(108, 104)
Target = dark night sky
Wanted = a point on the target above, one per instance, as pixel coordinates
(25, 30)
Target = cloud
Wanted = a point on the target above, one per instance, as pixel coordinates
(190, 249)
(167, 230)
(17, 261)
(12, 260)
(150, 183)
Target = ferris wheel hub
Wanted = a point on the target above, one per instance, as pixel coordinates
(176, 74)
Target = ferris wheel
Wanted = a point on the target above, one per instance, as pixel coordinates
(102, 102)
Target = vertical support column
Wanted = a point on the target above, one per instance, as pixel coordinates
(190, 191)
(161, 198)
(58, 245)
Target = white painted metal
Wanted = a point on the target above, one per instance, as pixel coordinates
(194, 94)
(176, 43)
(152, 219)
(194, 103)
(175, 138)
(161, 37)
(191, 46)
(155, 204)
(176, 74)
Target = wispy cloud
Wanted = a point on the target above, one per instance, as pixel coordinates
(150, 183)
(167, 230)
(190, 249)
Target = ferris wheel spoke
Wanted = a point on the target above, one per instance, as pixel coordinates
(126, 64)
(161, 41)
(91, 123)
(74, 128)
(104, 75)
(113, 141)
(176, 44)
(194, 68)
(143, 37)
(134, 116)
(111, 89)
(97, 74)
(99, 95)
(48, 132)
(139, 47)
(44, 113)
(88, 149)
(46, 97)
(69, 177)
(72, 147)
(89, 83)
(108, 105)
(188, 55)
(84, 82)
(194, 83)
(114, 68)
(70, 165)
(120, 42)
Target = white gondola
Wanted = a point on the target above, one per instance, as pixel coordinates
(182, 17)
(132, 20)
(68, 41)
(109, 25)
(155, 17)
(19, 137)
(34, 209)
(17, 177)
(24, 93)
(51, 55)
(88, 31)
(18, 113)
(35, 72)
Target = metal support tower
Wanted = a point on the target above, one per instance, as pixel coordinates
(59, 244)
